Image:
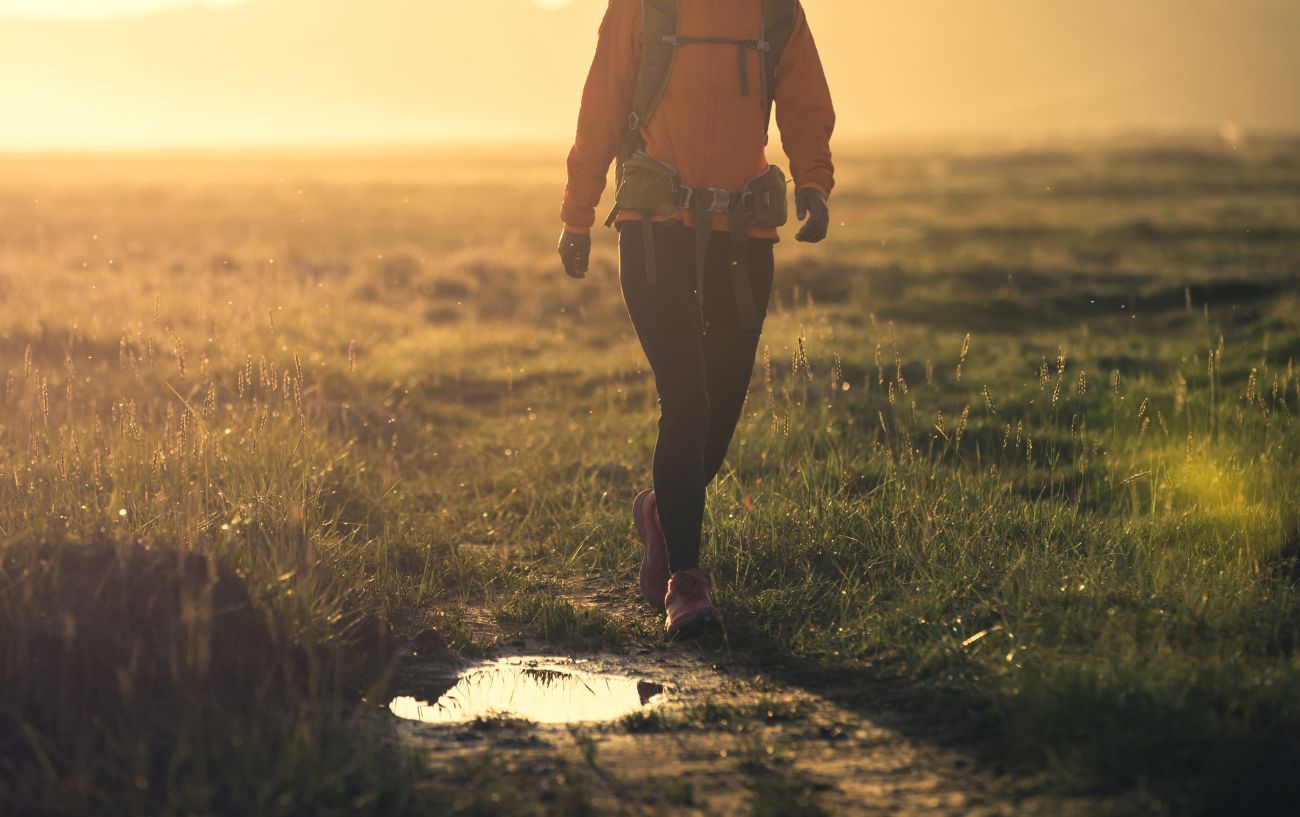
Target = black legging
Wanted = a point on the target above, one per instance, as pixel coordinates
(702, 379)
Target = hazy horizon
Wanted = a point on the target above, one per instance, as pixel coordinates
(335, 73)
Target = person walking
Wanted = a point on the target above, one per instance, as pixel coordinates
(681, 93)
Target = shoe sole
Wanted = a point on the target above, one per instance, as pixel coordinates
(638, 516)
(705, 622)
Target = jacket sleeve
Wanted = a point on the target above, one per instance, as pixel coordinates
(804, 112)
(602, 119)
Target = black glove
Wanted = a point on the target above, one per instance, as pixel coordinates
(575, 253)
(809, 204)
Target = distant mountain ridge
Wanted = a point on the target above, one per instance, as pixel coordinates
(343, 71)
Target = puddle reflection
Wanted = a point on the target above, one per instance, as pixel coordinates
(541, 690)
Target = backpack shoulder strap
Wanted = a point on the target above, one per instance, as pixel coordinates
(659, 26)
(778, 24)
(658, 30)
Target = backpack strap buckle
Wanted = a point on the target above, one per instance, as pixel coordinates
(721, 200)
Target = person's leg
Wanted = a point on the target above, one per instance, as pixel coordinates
(667, 323)
(729, 350)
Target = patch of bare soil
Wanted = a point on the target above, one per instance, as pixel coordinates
(719, 741)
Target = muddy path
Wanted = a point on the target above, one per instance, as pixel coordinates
(664, 728)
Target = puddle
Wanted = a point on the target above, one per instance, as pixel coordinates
(542, 690)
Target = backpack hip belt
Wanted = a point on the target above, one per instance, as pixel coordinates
(718, 199)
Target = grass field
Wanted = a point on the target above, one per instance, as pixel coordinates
(1020, 458)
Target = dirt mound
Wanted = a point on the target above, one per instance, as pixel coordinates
(108, 625)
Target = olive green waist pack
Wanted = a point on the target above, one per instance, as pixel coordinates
(647, 186)
(765, 199)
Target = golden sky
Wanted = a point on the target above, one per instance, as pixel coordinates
(97, 8)
(148, 73)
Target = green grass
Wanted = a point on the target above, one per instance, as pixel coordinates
(1020, 456)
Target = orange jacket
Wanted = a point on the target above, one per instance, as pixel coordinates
(703, 127)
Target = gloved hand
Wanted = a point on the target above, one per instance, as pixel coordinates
(809, 204)
(575, 253)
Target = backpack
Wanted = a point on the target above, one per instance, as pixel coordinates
(661, 41)
(659, 186)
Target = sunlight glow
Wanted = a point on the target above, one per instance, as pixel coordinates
(164, 73)
(1218, 491)
(98, 9)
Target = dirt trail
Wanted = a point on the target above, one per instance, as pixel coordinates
(719, 742)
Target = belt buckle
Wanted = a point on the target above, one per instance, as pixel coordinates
(721, 202)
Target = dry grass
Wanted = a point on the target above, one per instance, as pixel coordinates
(1022, 448)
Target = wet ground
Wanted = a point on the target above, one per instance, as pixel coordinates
(679, 729)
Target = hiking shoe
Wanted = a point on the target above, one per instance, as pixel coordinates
(690, 610)
(654, 564)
